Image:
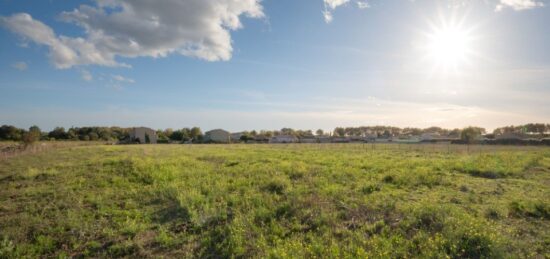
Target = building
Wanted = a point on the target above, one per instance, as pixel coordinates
(143, 135)
(324, 139)
(284, 139)
(429, 136)
(217, 136)
(340, 140)
(510, 136)
(308, 139)
(407, 139)
(236, 137)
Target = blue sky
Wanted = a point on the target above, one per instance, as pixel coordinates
(275, 63)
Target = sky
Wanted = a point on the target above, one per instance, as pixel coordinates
(251, 64)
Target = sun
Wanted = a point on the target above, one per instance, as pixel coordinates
(449, 46)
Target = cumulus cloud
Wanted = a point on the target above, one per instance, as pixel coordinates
(518, 5)
(140, 28)
(21, 66)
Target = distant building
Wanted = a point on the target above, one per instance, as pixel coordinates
(357, 139)
(217, 136)
(510, 136)
(236, 137)
(284, 139)
(308, 139)
(324, 139)
(340, 140)
(143, 135)
(407, 139)
(429, 136)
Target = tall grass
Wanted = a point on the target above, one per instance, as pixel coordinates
(337, 200)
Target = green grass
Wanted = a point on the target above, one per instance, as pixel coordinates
(275, 201)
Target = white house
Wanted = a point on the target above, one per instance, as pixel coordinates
(217, 136)
(143, 135)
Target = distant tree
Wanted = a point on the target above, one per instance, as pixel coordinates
(176, 135)
(104, 133)
(339, 131)
(246, 137)
(93, 136)
(168, 132)
(195, 133)
(320, 132)
(288, 131)
(8, 132)
(186, 134)
(412, 131)
(58, 133)
(147, 139)
(470, 134)
(72, 134)
(32, 135)
(455, 133)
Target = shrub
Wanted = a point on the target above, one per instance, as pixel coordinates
(370, 189)
(532, 210)
(276, 187)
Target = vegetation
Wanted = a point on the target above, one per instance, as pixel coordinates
(195, 134)
(275, 201)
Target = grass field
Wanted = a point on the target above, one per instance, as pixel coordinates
(275, 201)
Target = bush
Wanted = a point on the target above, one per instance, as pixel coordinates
(533, 210)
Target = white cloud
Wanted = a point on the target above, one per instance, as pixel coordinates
(362, 5)
(518, 5)
(140, 28)
(21, 66)
(86, 75)
(331, 5)
(335, 3)
(122, 79)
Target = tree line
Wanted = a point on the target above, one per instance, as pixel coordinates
(34, 133)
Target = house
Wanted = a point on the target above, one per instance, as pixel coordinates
(143, 135)
(370, 137)
(217, 136)
(510, 136)
(308, 139)
(429, 136)
(407, 139)
(357, 139)
(324, 139)
(340, 140)
(236, 137)
(284, 139)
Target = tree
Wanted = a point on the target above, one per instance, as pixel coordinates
(470, 134)
(93, 136)
(320, 132)
(288, 131)
(32, 135)
(195, 133)
(339, 131)
(176, 135)
(58, 133)
(8, 132)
